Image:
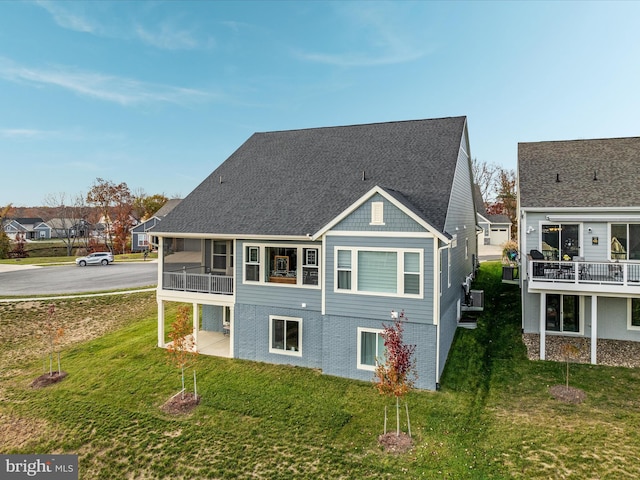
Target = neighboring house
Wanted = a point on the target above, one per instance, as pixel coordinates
(579, 207)
(302, 243)
(496, 229)
(141, 239)
(31, 228)
(68, 228)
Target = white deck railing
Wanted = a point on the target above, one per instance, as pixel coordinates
(581, 272)
(198, 282)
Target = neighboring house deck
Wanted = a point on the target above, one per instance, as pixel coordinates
(580, 239)
(301, 244)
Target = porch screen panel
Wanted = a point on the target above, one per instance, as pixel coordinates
(378, 272)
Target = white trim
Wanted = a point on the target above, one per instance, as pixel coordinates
(595, 218)
(399, 271)
(279, 351)
(323, 277)
(226, 236)
(587, 210)
(378, 190)
(364, 366)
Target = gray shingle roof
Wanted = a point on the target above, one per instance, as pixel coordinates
(615, 162)
(295, 182)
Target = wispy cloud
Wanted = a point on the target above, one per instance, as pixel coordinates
(109, 88)
(378, 39)
(165, 35)
(68, 19)
(18, 133)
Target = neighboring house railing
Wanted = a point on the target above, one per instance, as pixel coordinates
(583, 272)
(198, 282)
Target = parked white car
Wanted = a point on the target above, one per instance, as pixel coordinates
(97, 258)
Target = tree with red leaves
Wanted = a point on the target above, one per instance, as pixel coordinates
(396, 376)
(182, 349)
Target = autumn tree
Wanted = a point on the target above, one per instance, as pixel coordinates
(181, 350)
(507, 198)
(115, 204)
(144, 206)
(396, 376)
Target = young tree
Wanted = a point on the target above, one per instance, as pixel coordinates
(396, 376)
(53, 332)
(181, 351)
(569, 352)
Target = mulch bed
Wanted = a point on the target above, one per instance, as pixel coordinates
(181, 404)
(47, 379)
(393, 443)
(567, 394)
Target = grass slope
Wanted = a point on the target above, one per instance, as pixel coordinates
(493, 418)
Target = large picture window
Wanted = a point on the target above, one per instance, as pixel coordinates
(285, 335)
(370, 348)
(625, 241)
(379, 271)
(282, 265)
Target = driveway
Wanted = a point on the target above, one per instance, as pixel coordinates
(33, 280)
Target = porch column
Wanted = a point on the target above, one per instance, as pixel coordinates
(196, 323)
(594, 329)
(160, 323)
(543, 326)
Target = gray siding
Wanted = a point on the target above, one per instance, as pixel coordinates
(340, 347)
(374, 306)
(212, 316)
(395, 220)
(251, 335)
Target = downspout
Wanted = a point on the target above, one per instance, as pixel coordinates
(436, 306)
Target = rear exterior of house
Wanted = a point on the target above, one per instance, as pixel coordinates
(303, 244)
(579, 206)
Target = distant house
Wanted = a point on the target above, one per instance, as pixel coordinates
(496, 229)
(68, 228)
(301, 245)
(580, 234)
(141, 238)
(33, 228)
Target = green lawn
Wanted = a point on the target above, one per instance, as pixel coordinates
(493, 417)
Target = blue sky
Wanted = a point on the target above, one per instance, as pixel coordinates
(158, 94)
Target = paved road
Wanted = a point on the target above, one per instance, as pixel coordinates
(74, 279)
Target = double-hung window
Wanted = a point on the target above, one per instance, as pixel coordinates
(252, 264)
(389, 272)
(370, 348)
(285, 335)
